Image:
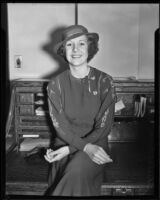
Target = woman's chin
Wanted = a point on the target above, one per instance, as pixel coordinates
(77, 63)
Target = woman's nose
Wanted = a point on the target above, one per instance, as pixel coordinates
(75, 47)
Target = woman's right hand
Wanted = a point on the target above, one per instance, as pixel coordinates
(97, 154)
(52, 156)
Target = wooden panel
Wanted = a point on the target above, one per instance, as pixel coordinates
(24, 188)
(25, 98)
(26, 176)
(124, 131)
(29, 89)
(133, 163)
(134, 83)
(141, 90)
(25, 110)
(126, 189)
(33, 169)
(33, 121)
(123, 191)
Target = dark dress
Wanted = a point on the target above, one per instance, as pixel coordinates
(82, 111)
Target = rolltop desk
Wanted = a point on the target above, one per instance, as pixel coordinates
(131, 140)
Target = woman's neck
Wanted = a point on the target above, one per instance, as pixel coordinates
(80, 72)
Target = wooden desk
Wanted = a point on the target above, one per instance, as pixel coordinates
(132, 170)
(25, 177)
(131, 173)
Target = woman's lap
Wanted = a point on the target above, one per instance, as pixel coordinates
(81, 164)
(78, 175)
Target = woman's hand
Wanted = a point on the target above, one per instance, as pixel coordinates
(52, 156)
(97, 154)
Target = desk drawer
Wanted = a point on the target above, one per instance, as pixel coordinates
(25, 110)
(25, 98)
(123, 191)
(126, 190)
(33, 121)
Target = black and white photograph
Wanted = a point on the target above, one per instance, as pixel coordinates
(80, 100)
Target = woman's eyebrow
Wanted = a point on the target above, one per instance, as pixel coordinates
(83, 40)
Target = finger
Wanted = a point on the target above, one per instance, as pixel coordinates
(96, 161)
(100, 156)
(103, 158)
(103, 153)
(99, 162)
(50, 160)
(48, 151)
(49, 157)
(97, 156)
(52, 154)
(56, 158)
(46, 158)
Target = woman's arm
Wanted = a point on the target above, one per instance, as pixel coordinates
(58, 118)
(105, 116)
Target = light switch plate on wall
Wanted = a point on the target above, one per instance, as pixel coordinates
(18, 61)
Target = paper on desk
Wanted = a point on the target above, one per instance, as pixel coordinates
(29, 143)
(119, 105)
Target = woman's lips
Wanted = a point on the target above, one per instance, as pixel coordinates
(76, 56)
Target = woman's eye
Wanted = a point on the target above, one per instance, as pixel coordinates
(82, 43)
(68, 44)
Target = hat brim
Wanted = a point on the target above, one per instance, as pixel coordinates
(91, 35)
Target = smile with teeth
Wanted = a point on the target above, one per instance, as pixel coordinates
(76, 56)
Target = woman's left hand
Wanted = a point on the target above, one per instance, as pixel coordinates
(52, 156)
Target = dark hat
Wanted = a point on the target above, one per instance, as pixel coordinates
(73, 32)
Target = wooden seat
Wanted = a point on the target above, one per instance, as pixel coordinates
(26, 176)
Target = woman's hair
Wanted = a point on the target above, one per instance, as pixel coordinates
(92, 49)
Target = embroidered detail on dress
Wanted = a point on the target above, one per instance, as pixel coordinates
(93, 78)
(95, 92)
(104, 79)
(52, 92)
(114, 97)
(102, 124)
(106, 90)
(89, 86)
(104, 118)
(99, 80)
(61, 110)
(54, 120)
(53, 82)
(59, 86)
(55, 123)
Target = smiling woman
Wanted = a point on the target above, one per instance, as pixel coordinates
(81, 105)
(77, 51)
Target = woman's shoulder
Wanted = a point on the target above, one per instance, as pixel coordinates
(106, 84)
(103, 76)
(59, 77)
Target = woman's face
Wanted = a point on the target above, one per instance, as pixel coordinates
(77, 51)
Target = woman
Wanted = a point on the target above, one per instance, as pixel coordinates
(81, 105)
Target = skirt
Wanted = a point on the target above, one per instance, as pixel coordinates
(76, 175)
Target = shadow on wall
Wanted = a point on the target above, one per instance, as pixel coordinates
(55, 37)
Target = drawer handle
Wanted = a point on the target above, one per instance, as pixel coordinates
(123, 190)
